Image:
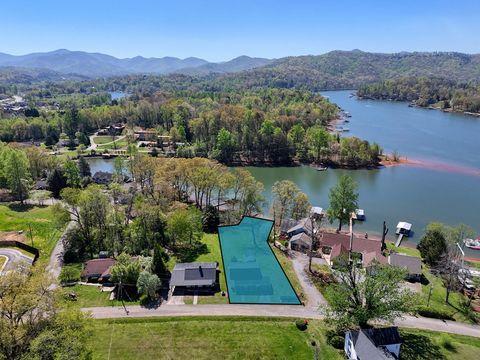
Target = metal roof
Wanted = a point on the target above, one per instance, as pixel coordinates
(404, 225)
(194, 274)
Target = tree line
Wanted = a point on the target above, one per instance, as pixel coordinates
(425, 92)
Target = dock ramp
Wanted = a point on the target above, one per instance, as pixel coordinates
(399, 240)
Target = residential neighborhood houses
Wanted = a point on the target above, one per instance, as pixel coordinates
(153, 243)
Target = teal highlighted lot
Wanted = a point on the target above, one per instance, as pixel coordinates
(253, 273)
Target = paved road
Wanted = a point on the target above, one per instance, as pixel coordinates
(14, 256)
(294, 311)
(314, 297)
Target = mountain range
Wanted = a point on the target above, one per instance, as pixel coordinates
(333, 70)
(101, 65)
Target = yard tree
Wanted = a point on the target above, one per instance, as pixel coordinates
(89, 208)
(448, 267)
(343, 201)
(210, 219)
(148, 284)
(365, 296)
(432, 245)
(148, 227)
(17, 174)
(184, 226)
(56, 182)
(31, 325)
(119, 170)
(84, 167)
(160, 258)
(126, 271)
(72, 174)
(288, 201)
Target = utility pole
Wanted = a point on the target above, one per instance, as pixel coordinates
(30, 233)
(312, 224)
(351, 241)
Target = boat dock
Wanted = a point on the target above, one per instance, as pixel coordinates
(403, 229)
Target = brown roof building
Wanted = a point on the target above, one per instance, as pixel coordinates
(98, 269)
(340, 245)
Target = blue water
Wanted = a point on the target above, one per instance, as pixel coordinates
(253, 273)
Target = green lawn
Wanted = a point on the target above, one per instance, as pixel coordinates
(429, 345)
(103, 139)
(213, 254)
(41, 220)
(437, 300)
(3, 260)
(403, 250)
(119, 143)
(291, 274)
(90, 296)
(250, 338)
(207, 338)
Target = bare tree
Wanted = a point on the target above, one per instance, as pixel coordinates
(449, 269)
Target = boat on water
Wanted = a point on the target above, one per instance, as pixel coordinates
(472, 244)
(359, 214)
(321, 168)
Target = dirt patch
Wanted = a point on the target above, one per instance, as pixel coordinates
(12, 236)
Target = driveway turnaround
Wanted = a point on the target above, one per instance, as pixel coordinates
(14, 256)
(252, 272)
(292, 311)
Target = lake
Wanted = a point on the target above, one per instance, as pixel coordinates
(447, 191)
(116, 95)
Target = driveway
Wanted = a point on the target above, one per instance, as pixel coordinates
(300, 262)
(56, 258)
(293, 311)
(14, 256)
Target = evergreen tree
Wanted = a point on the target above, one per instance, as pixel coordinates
(84, 167)
(56, 182)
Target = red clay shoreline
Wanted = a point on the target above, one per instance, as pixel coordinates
(432, 165)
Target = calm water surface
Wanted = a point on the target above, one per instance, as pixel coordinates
(401, 193)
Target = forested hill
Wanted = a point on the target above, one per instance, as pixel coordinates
(351, 69)
(445, 94)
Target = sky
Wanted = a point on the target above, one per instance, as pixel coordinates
(219, 30)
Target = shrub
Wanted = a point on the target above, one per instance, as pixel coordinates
(446, 342)
(301, 324)
(337, 341)
(69, 274)
(434, 313)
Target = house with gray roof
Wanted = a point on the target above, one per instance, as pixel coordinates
(411, 264)
(300, 242)
(373, 344)
(194, 275)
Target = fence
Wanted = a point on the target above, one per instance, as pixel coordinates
(13, 243)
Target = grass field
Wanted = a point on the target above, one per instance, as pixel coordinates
(103, 139)
(429, 345)
(119, 143)
(291, 274)
(207, 338)
(403, 250)
(41, 220)
(90, 296)
(250, 338)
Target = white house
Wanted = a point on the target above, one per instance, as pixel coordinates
(373, 344)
